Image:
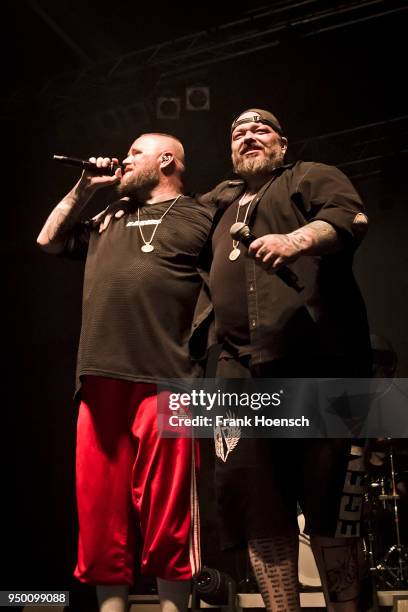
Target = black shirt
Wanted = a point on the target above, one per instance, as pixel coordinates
(328, 317)
(138, 307)
(227, 284)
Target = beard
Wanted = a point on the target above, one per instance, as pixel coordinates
(138, 184)
(247, 167)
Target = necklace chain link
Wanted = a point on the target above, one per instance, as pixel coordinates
(235, 253)
(147, 244)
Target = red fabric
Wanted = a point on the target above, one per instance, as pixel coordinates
(128, 477)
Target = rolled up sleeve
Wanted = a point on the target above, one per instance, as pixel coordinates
(328, 195)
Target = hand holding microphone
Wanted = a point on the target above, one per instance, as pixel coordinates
(271, 253)
(98, 172)
(103, 166)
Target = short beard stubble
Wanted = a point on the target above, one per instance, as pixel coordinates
(139, 185)
(264, 166)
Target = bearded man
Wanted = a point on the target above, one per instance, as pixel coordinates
(140, 289)
(307, 217)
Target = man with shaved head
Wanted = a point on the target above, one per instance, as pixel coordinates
(140, 289)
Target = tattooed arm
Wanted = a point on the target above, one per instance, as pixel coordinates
(62, 219)
(315, 238)
(65, 215)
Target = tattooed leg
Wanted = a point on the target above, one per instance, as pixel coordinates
(275, 565)
(337, 560)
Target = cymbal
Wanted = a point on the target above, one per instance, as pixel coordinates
(389, 497)
(399, 445)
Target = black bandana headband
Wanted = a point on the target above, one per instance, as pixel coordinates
(259, 116)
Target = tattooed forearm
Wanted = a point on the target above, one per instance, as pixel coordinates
(298, 239)
(60, 222)
(62, 219)
(316, 238)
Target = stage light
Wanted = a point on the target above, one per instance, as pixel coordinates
(168, 108)
(215, 588)
(198, 98)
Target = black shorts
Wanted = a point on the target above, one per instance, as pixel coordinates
(261, 482)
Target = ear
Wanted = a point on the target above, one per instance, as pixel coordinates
(166, 159)
(284, 144)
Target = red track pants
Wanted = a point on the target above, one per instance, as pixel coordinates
(129, 477)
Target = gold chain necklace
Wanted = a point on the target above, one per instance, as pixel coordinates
(236, 252)
(147, 244)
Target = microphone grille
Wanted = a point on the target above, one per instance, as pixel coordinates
(239, 230)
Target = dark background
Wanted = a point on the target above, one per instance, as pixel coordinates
(325, 68)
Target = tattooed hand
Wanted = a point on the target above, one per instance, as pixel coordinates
(274, 250)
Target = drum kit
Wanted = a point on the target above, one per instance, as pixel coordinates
(385, 520)
(384, 525)
(385, 517)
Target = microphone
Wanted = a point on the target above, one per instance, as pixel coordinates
(87, 165)
(241, 232)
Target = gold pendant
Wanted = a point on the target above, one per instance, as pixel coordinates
(235, 253)
(147, 248)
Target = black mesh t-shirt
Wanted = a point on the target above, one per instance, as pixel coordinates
(228, 284)
(138, 307)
